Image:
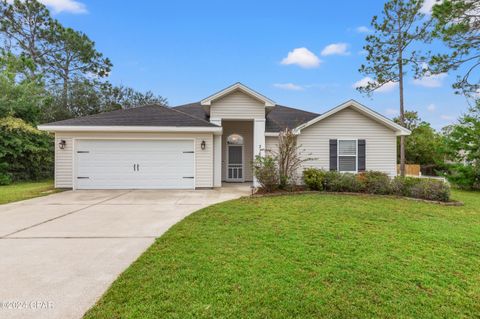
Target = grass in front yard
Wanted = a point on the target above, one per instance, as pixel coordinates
(25, 190)
(304, 256)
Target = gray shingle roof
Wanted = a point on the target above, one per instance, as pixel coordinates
(187, 115)
(282, 117)
(148, 115)
(278, 119)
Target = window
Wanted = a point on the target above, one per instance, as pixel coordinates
(347, 155)
(235, 139)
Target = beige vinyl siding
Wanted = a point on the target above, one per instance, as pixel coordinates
(271, 144)
(64, 165)
(381, 149)
(237, 105)
(63, 162)
(245, 129)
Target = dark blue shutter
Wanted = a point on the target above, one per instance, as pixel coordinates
(361, 155)
(333, 155)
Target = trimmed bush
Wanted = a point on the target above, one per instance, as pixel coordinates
(329, 178)
(373, 182)
(402, 185)
(314, 179)
(431, 189)
(346, 182)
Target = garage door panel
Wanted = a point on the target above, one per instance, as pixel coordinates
(109, 164)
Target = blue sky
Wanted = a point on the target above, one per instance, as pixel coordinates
(186, 50)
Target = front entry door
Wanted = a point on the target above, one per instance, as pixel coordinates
(235, 163)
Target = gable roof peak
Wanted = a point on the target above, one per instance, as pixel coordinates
(400, 130)
(234, 87)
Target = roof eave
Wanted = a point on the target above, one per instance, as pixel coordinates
(156, 129)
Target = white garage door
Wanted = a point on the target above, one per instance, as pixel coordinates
(134, 164)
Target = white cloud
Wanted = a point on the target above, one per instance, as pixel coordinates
(363, 29)
(431, 81)
(57, 6)
(303, 58)
(70, 6)
(387, 87)
(427, 6)
(447, 117)
(335, 49)
(391, 112)
(288, 86)
(431, 107)
(363, 82)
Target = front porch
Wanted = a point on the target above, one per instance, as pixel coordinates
(234, 150)
(237, 151)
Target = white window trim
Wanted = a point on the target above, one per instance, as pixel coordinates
(356, 155)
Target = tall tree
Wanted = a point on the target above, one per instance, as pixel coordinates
(74, 58)
(27, 28)
(457, 24)
(390, 51)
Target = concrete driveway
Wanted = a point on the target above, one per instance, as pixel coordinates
(60, 253)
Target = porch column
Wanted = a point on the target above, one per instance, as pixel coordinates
(217, 161)
(258, 142)
(217, 156)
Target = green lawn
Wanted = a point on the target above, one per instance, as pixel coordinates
(309, 256)
(25, 190)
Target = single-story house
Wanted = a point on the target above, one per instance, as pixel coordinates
(202, 144)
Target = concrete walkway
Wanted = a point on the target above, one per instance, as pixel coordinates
(60, 253)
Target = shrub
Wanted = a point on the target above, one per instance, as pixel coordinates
(342, 182)
(314, 178)
(375, 182)
(265, 170)
(25, 152)
(423, 188)
(402, 185)
(329, 178)
(465, 176)
(431, 189)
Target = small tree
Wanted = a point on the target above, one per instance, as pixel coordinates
(288, 157)
(424, 146)
(463, 144)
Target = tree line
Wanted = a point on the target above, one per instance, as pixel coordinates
(401, 44)
(50, 72)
